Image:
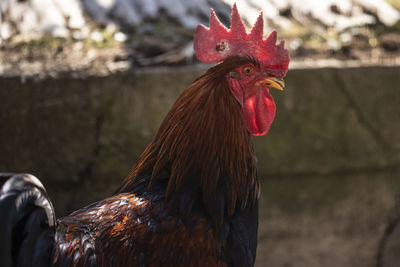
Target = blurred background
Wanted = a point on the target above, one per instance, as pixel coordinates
(84, 85)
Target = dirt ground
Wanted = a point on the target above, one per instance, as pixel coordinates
(55, 57)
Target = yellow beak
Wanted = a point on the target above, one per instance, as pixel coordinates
(273, 82)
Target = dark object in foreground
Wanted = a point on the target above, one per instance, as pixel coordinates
(192, 197)
(389, 245)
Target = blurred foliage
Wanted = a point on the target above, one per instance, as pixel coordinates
(394, 3)
(45, 42)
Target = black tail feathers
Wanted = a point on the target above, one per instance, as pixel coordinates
(27, 223)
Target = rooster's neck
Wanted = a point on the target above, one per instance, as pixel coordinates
(202, 149)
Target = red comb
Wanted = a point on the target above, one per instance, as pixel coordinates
(217, 43)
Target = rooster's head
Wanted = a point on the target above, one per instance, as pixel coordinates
(265, 67)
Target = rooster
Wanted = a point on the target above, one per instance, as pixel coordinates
(192, 197)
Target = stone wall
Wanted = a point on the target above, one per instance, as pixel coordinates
(331, 159)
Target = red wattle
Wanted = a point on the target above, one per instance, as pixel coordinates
(259, 112)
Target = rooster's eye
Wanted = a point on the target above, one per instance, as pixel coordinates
(248, 70)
